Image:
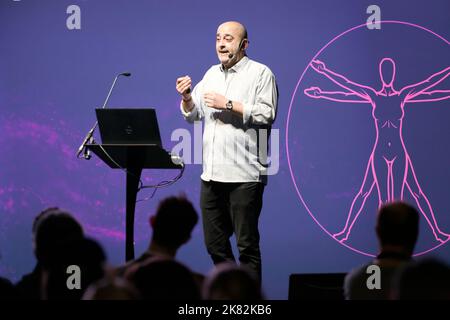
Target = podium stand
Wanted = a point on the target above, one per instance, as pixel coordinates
(134, 158)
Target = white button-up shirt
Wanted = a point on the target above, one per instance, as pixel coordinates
(235, 147)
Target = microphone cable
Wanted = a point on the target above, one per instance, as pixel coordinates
(162, 184)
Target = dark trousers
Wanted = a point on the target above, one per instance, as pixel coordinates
(229, 208)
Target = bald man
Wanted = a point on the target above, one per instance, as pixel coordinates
(237, 99)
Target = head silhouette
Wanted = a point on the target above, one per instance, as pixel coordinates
(174, 221)
(87, 255)
(387, 72)
(51, 228)
(229, 281)
(398, 225)
(111, 289)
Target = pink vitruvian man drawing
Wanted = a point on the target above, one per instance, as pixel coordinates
(389, 169)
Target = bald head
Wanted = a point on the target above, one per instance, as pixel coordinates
(231, 43)
(235, 27)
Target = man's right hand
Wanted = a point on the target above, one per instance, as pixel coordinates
(184, 87)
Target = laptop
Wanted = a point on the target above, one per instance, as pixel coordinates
(128, 126)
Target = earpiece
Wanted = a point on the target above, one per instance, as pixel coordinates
(231, 55)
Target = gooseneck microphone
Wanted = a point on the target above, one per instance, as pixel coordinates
(126, 74)
(89, 136)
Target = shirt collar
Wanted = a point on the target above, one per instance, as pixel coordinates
(238, 66)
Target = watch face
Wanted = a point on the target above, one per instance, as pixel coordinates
(229, 105)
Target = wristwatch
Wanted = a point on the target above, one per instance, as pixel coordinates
(229, 105)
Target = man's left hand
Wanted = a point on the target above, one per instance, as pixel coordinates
(215, 100)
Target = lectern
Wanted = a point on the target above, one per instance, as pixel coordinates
(134, 158)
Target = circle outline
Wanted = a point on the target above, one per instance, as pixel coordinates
(289, 116)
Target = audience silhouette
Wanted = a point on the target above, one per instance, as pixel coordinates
(111, 288)
(172, 226)
(164, 279)
(229, 281)
(397, 231)
(427, 279)
(52, 229)
(87, 255)
(59, 244)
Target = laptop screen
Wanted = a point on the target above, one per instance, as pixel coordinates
(128, 126)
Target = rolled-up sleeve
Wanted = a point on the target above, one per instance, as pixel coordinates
(190, 116)
(197, 111)
(263, 111)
